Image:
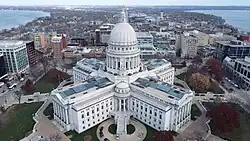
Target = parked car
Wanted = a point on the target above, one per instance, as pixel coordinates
(106, 139)
(101, 128)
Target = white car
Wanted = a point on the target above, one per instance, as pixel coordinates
(22, 79)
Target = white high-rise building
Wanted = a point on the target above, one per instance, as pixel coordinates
(15, 55)
(188, 45)
(161, 15)
(122, 87)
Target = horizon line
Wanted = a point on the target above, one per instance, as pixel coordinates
(133, 5)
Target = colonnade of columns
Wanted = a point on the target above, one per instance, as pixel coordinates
(61, 113)
(122, 105)
(184, 112)
(129, 62)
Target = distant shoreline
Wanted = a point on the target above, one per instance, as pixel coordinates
(45, 13)
(232, 18)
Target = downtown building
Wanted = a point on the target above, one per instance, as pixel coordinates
(32, 53)
(234, 49)
(15, 56)
(43, 39)
(102, 34)
(239, 70)
(122, 87)
(187, 45)
(145, 43)
(59, 43)
(3, 70)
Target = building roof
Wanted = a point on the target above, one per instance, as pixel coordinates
(144, 35)
(122, 85)
(84, 87)
(92, 62)
(10, 43)
(173, 92)
(123, 34)
(155, 63)
(233, 43)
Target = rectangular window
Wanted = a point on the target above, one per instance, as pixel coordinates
(146, 109)
(87, 113)
(97, 109)
(82, 122)
(150, 111)
(141, 107)
(92, 111)
(102, 107)
(82, 115)
(160, 117)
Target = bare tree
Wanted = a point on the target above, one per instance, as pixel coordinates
(18, 96)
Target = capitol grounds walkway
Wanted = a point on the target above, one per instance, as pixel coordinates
(45, 127)
(197, 128)
(139, 129)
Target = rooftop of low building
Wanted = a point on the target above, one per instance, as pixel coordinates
(155, 63)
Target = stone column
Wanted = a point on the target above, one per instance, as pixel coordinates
(54, 107)
(183, 111)
(124, 105)
(120, 105)
(67, 116)
(179, 115)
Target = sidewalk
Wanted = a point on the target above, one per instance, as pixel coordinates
(44, 127)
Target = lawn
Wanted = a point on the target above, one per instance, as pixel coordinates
(238, 134)
(112, 129)
(50, 81)
(48, 112)
(80, 137)
(130, 129)
(151, 132)
(182, 76)
(195, 112)
(17, 122)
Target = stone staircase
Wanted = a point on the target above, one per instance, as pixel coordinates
(121, 125)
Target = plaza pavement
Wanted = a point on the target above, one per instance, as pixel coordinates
(139, 128)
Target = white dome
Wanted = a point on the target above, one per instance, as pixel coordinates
(123, 34)
(122, 85)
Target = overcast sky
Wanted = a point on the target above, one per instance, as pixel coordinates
(127, 2)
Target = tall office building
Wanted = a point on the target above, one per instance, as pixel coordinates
(161, 15)
(240, 70)
(43, 39)
(103, 33)
(123, 88)
(233, 49)
(32, 56)
(145, 43)
(15, 55)
(203, 38)
(3, 70)
(59, 42)
(188, 45)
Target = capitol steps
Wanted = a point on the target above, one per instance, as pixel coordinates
(121, 125)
